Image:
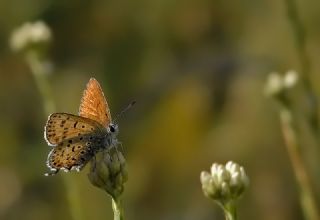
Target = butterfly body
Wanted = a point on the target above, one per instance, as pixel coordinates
(76, 139)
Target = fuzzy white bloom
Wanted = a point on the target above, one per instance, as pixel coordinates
(30, 34)
(290, 79)
(224, 182)
(274, 84)
(277, 83)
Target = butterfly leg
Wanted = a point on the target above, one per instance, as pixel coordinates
(94, 162)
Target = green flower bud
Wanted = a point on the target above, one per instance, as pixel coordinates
(108, 172)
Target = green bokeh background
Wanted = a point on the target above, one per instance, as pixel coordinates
(197, 71)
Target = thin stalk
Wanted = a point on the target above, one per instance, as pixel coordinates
(230, 210)
(117, 209)
(299, 35)
(40, 76)
(307, 199)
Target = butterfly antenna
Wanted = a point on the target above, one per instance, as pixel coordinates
(123, 111)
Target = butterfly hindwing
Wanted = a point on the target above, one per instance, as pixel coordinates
(61, 126)
(94, 105)
(74, 153)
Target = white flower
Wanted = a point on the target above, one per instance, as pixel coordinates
(290, 79)
(30, 34)
(225, 182)
(276, 83)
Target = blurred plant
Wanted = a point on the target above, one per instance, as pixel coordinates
(299, 35)
(31, 37)
(108, 172)
(277, 87)
(225, 184)
(32, 41)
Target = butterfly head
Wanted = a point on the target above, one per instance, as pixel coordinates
(113, 129)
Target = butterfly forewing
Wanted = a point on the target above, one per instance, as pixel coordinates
(76, 139)
(61, 126)
(74, 153)
(94, 105)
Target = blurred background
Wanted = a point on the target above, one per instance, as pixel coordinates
(197, 70)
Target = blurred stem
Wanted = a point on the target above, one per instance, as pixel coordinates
(40, 75)
(299, 35)
(230, 210)
(307, 199)
(117, 209)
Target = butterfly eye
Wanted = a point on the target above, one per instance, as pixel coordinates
(112, 129)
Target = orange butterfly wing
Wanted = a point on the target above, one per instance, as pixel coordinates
(94, 105)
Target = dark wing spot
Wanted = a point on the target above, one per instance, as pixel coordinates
(83, 126)
(73, 148)
(70, 141)
(75, 124)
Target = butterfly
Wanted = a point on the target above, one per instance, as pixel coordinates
(75, 139)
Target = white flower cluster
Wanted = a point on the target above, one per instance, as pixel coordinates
(277, 83)
(224, 183)
(29, 35)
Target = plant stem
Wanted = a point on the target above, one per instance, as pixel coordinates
(299, 35)
(117, 209)
(230, 210)
(39, 73)
(307, 199)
